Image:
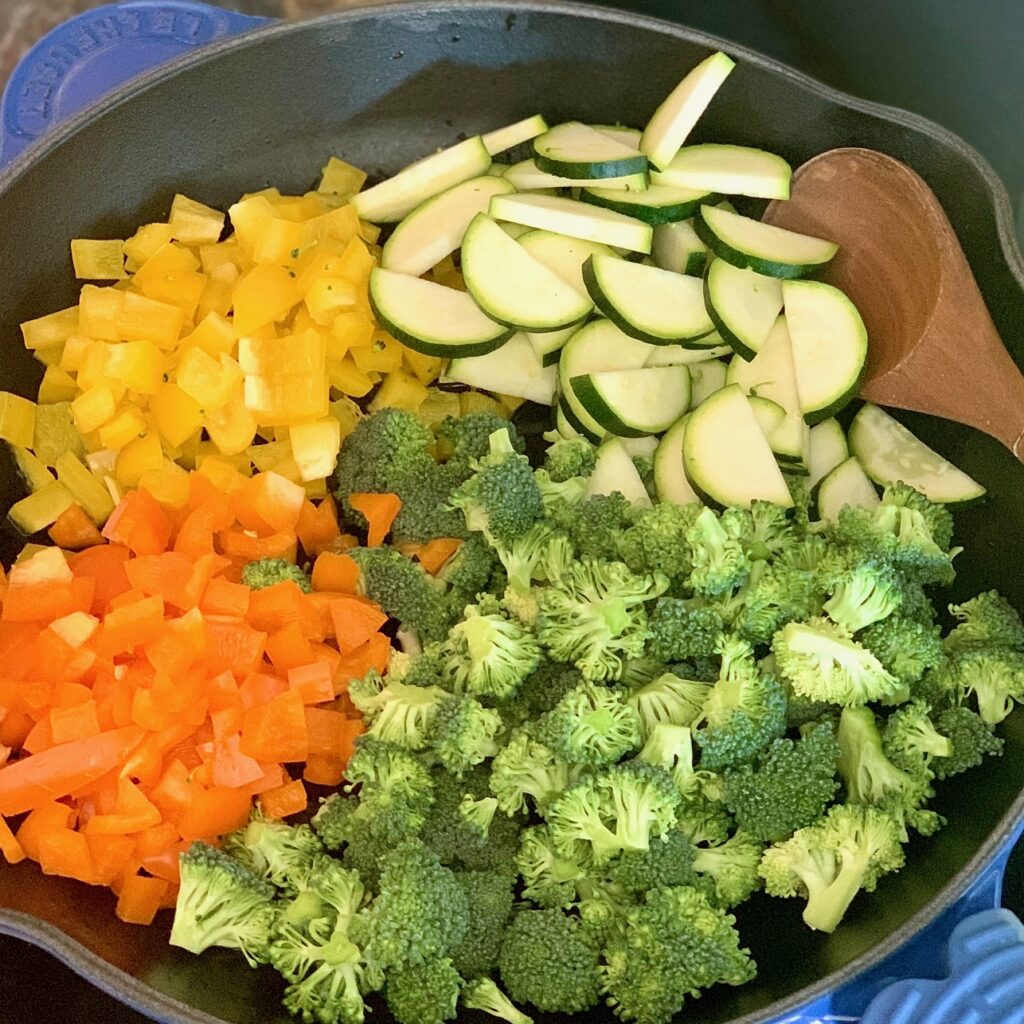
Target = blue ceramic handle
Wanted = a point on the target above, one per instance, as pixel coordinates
(83, 59)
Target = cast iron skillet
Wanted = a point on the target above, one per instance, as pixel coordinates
(382, 87)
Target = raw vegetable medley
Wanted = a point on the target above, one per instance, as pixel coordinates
(569, 712)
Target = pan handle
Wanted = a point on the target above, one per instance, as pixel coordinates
(83, 59)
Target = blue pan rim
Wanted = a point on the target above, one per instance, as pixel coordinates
(147, 1000)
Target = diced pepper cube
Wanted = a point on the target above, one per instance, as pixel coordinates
(73, 353)
(138, 365)
(92, 408)
(138, 457)
(56, 386)
(264, 295)
(51, 330)
(169, 484)
(87, 490)
(330, 296)
(17, 419)
(341, 179)
(170, 276)
(232, 427)
(209, 381)
(400, 390)
(348, 378)
(146, 319)
(349, 330)
(99, 312)
(285, 399)
(176, 414)
(98, 259)
(318, 262)
(49, 356)
(347, 413)
(31, 468)
(341, 223)
(41, 508)
(144, 243)
(249, 217)
(304, 353)
(315, 447)
(195, 223)
(425, 368)
(213, 334)
(384, 354)
(281, 241)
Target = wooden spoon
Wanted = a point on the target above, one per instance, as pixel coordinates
(932, 345)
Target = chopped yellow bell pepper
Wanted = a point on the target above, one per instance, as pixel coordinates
(401, 391)
(347, 378)
(137, 458)
(286, 398)
(303, 353)
(56, 386)
(122, 429)
(231, 427)
(92, 495)
(144, 244)
(73, 353)
(211, 382)
(175, 414)
(97, 259)
(139, 365)
(169, 484)
(341, 179)
(266, 294)
(315, 447)
(92, 408)
(384, 354)
(330, 296)
(281, 241)
(426, 369)
(50, 331)
(171, 275)
(195, 223)
(213, 334)
(17, 419)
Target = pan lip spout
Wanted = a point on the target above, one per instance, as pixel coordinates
(136, 992)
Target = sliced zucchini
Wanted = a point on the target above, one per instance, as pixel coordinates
(512, 287)
(497, 170)
(830, 346)
(635, 403)
(563, 255)
(653, 305)
(640, 447)
(515, 230)
(676, 247)
(730, 170)
(769, 414)
(614, 471)
(528, 177)
(657, 204)
(827, 448)
(669, 475)
(742, 304)
(31, 469)
(727, 457)
(673, 121)
(514, 134)
(627, 136)
(548, 345)
(433, 319)
(705, 379)
(676, 355)
(749, 244)
(598, 346)
(889, 452)
(570, 217)
(41, 508)
(562, 424)
(85, 488)
(392, 199)
(513, 369)
(575, 150)
(772, 374)
(846, 484)
(435, 228)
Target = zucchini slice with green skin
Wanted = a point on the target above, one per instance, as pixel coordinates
(889, 452)
(513, 369)
(435, 229)
(614, 471)
(657, 204)
(771, 374)
(513, 287)
(769, 414)
(674, 119)
(392, 199)
(514, 134)
(563, 426)
(40, 509)
(727, 458)
(705, 379)
(598, 346)
(575, 150)
(669, 475)
(528, 177)
(574, 423)
(627, 136)
(563, 255)
(579, 220)
(742, 304)
(846, 484)
(635, 403)
(676, 355)
(515, 230)
(644, 302)
(827, 448)
(640, 447)
(676, 247)
(765, 248)
(431, 318)
(830, 346)
(31, 469)
(729, 170)
(548, 345)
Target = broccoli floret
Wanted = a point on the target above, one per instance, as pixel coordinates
(488, 655)
(671, 748)
(828, 863)
(546, 686)
(673, 945)
(278, 853)
(821, 661)
(683, 629)
(993, 675)
(731, 868)
(490, 905)
(425, 994)
(594, 616)
(545, 961)
(465, 438)
(548, 874)
(420, 913)
(656, 540)
(404, 590)
(484, 995)
(719, 562)
(267, 572)
(541, 554)
(463, 733)
(469, 570)
(422, 669)
(395, 711)
(339, 826)
(938, 517)
(971, 739)
(526, 768)
(595, 524)
(765, 529)
(910, 739)
(222, 903)
(567, 457)
(868, 592)
(620, 808)
(665, 863)
(917, 605)
(743, 712)
(789, 787)
(501, 499)
(591, 726)
(704, 819)
(985, 621)
(905, 647)
(669, 699)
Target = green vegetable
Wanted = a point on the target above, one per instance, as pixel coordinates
(483, 994)
(426, 994)
(270, 571)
